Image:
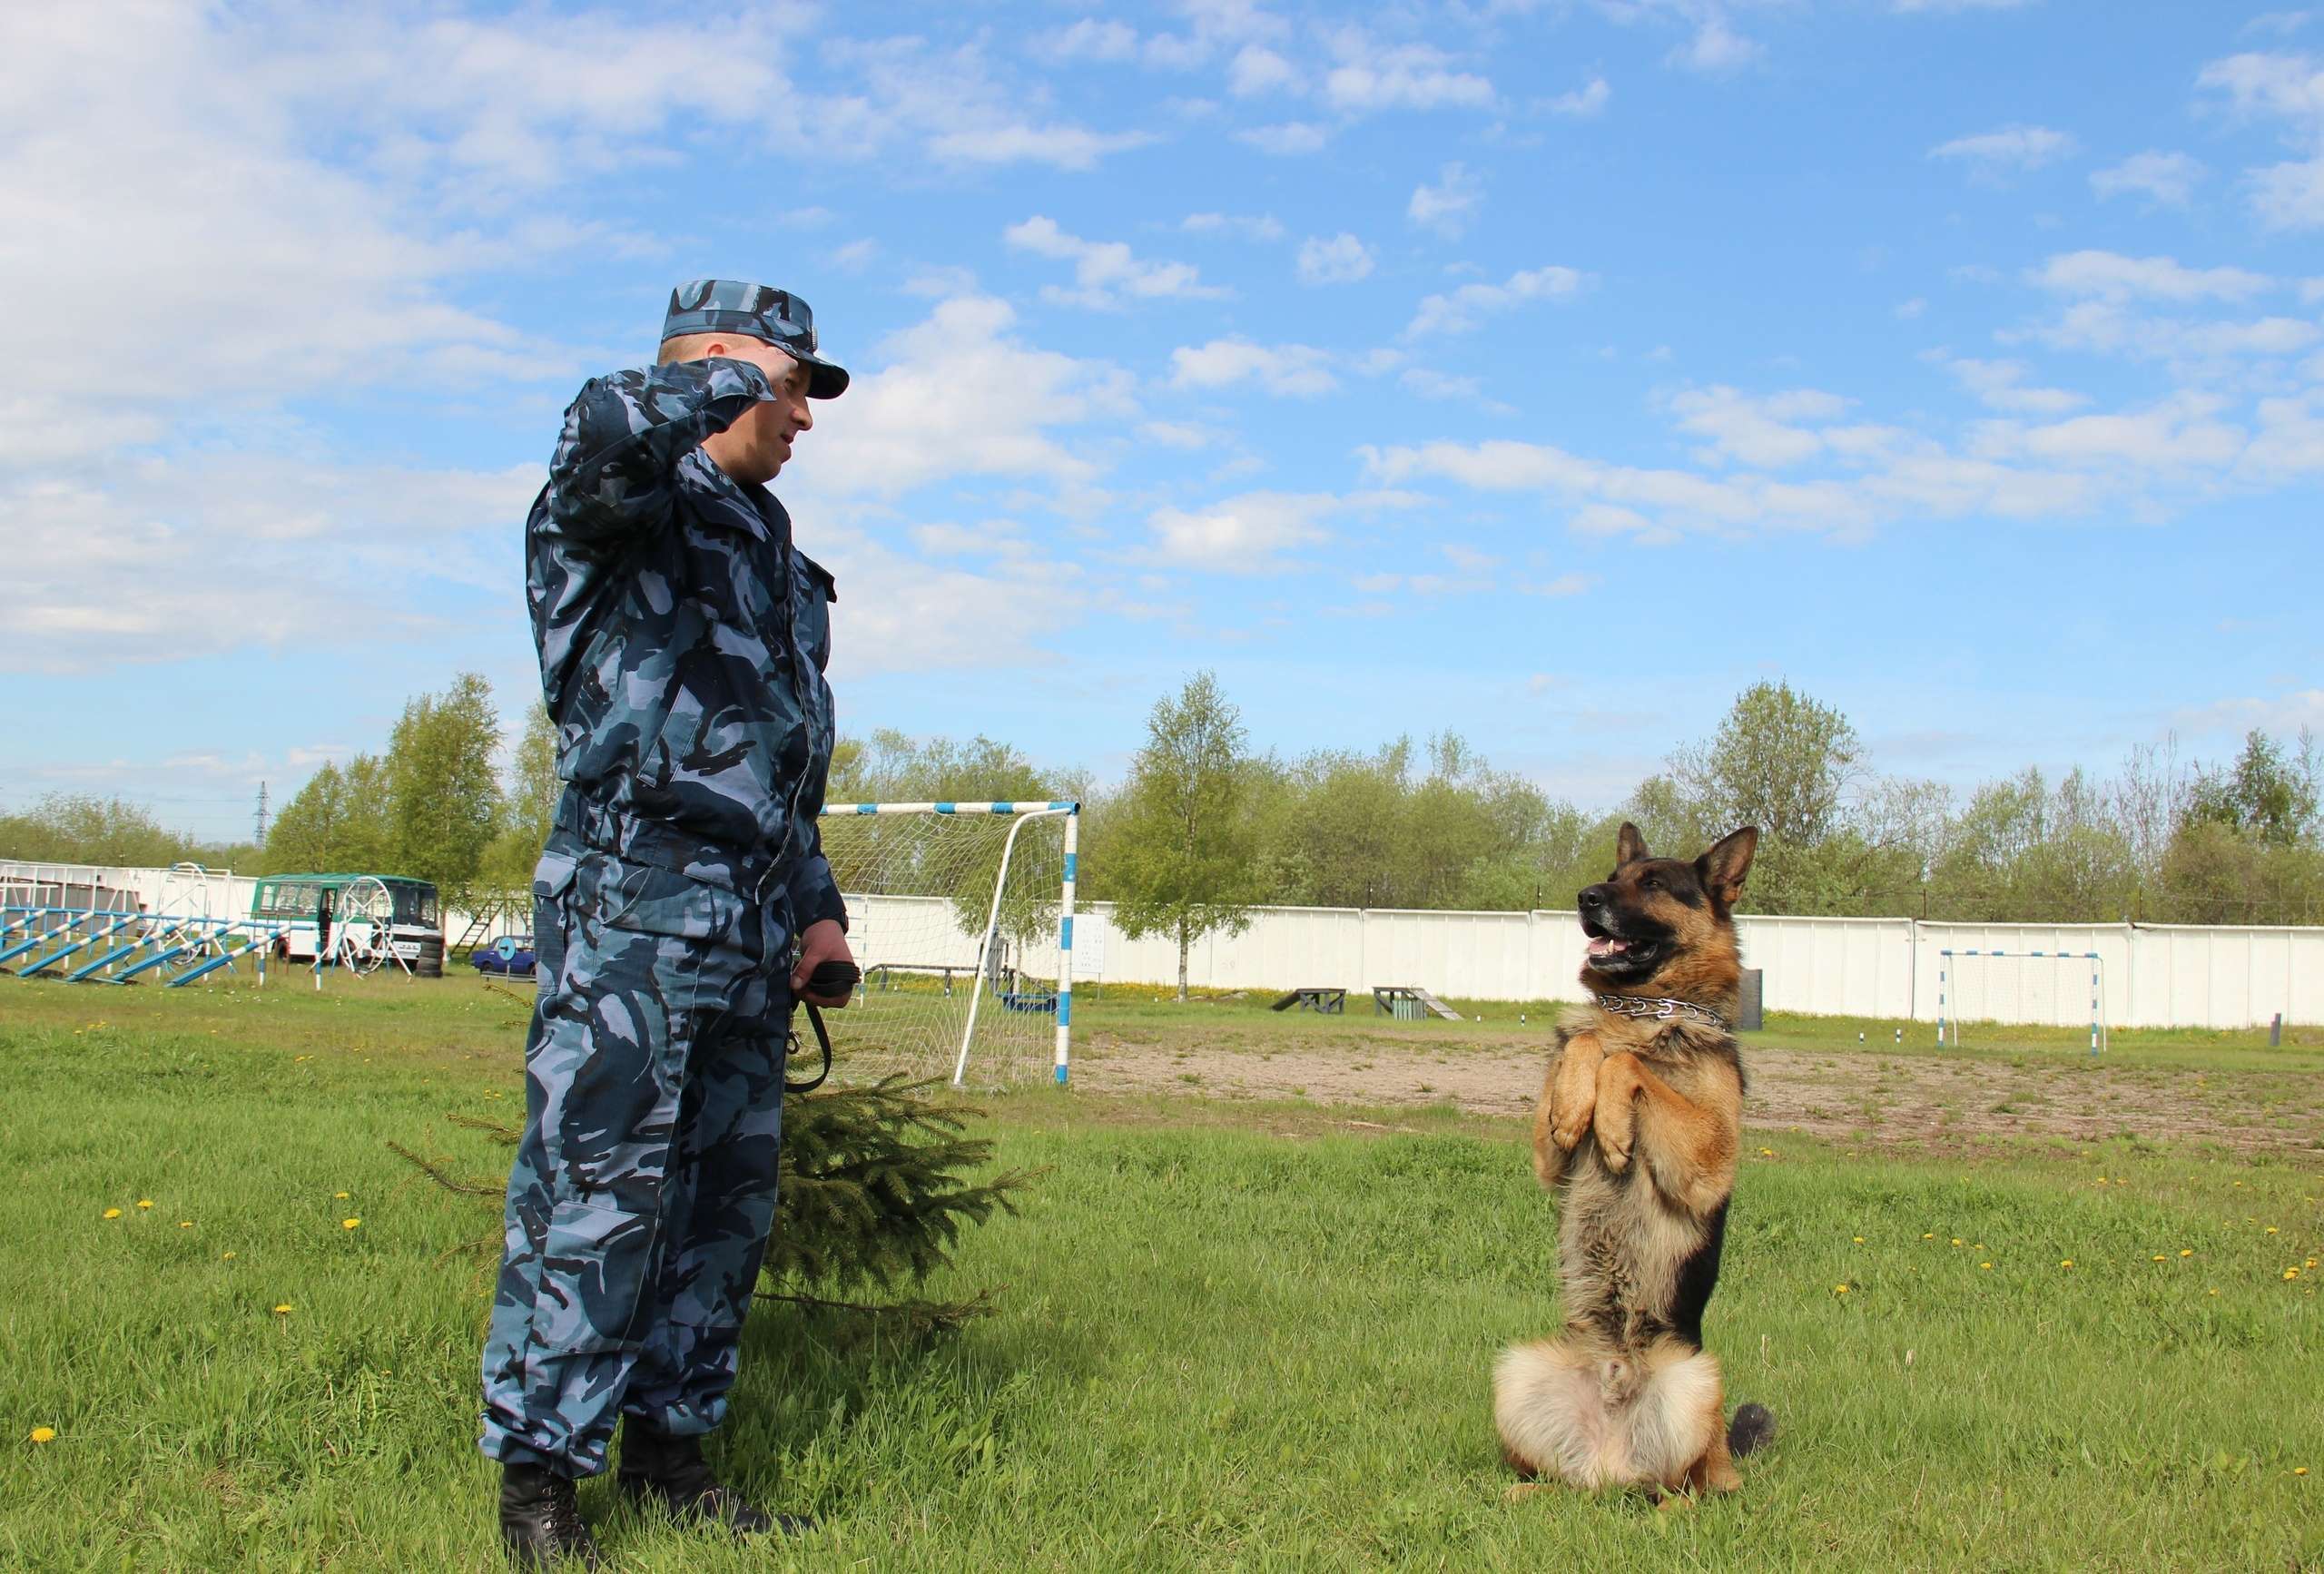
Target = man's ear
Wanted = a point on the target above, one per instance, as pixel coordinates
(1629, 846)
(1722, 869)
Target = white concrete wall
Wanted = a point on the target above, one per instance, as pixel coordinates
(2154, 974)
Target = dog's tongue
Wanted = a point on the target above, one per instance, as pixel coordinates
(1607, 946)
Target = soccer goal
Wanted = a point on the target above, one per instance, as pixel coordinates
(2016, 987)
(960, 916)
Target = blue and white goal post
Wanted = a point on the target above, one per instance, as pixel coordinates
(1951, 993)
(961, 915)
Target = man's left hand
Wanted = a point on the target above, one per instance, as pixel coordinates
(820, 943)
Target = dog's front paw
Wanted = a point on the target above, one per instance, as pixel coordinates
(1615, 1118)
(1573, 1095)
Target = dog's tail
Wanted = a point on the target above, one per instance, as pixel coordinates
(1754, 1427)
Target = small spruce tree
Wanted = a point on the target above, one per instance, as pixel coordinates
(875, 1185)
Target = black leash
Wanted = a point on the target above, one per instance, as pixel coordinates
(828, 978)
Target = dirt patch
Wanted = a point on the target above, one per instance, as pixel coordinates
(1901, 1100)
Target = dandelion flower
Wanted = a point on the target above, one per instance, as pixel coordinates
(1766, 1153)
(1840, 1288)
(1859, 1240)
(2291, 1273)
(2296, 1470)
(2186, 1251)
(1956, 1240)
(48, 1435)
(283, 1310)
(112, 1213)
(1985, 1265)
(1928, 1235)
(2210, 1292)
(349, 1223)
(144, 1202)
(341, 1196)
(2158, 1257)
(185, 1223)
(225, 1256)
(2066, 1263)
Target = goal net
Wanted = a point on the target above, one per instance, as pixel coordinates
(960, 916)
(1995, 986)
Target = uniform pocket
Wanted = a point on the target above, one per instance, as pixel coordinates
(659, 902)
(600, 1260)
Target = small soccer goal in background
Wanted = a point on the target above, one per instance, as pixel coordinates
(2027, 987)
(960, 916)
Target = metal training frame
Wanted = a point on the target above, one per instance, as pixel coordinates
(1945, 967)
(1025, 815)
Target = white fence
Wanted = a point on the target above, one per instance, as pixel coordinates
(2156, 975)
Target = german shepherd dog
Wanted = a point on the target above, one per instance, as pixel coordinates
(1636, 1129)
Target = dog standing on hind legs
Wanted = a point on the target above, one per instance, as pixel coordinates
(1638, 1122)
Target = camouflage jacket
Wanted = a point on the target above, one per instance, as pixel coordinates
(683, 641)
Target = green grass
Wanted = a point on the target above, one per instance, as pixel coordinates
(1229, 1335)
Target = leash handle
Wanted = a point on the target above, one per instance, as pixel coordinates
(833, 978)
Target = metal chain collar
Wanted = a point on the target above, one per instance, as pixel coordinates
(1639, 1006)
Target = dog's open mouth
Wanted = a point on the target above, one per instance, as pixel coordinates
(1611, 952)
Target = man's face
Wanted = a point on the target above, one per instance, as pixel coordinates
(757, 447)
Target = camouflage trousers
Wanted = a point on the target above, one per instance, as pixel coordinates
(643, 1188)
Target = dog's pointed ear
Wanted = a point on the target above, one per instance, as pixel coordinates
(1722, 869)
(1629, 846)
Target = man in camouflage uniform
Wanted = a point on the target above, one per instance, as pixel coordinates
(682, 640)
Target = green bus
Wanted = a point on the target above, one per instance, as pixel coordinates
(416, 929)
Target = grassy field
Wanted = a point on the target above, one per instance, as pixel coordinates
(1231, 1332)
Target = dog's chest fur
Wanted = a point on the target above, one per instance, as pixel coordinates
(1634, 1264)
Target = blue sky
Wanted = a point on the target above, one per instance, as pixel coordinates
(1546, 371)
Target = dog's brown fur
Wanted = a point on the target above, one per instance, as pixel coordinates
(1636, 1129)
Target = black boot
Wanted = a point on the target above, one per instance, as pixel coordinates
(658, 1469)
(540, 1519)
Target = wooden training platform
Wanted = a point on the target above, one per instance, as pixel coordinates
(1408, 1001)
(1325, 1002)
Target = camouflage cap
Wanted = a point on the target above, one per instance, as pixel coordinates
(776, 316)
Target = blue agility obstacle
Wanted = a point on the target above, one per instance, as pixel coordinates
(80, 945)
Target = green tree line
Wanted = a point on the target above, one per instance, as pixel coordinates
(1204, 826)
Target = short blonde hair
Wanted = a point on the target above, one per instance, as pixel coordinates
(686, 347)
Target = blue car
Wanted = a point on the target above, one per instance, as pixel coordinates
(511, 955)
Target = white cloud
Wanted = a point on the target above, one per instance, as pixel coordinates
(2000, 384)
(1296, 370)
(1431, 384)
(1087, 39)
(1370, 76)
(1583, 103)
(1717, 48)
(856, 255)
(2014, 147)
(2290, 88)
(1104, 272)
(1065, 147)
(1288, 140)
(1459, 310)
(1241, 534)
(1342, 260)
(2166, 178)
(922, 412)
(2288, 712)
(1907, 310)
(1448, 206)
(1250, 227)
(1257, 69)
(1757, 430)
(1909, 6)
(2178, 433)
(2111, 276)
